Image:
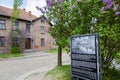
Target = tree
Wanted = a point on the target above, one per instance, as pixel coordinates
(61, 13)
(84, 17)
(94, 20)
(14, 17)
(106, 23)
(108, 28)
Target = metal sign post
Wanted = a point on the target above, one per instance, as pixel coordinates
(85, 57)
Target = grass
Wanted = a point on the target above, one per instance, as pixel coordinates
(60, 73)
(54, 51)
(8, 55)
(63, 73)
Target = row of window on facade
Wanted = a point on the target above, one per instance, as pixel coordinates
(16, 41)
(16, 26)
(2, 41)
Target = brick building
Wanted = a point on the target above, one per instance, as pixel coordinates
(36, 29)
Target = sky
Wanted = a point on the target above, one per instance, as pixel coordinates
(29, 5)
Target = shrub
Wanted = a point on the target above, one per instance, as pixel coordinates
(15, 50)
(113, 74)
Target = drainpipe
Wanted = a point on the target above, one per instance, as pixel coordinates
(32, 30)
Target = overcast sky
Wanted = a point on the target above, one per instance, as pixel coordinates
(29, 5)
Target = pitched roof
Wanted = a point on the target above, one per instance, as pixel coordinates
(24, 15)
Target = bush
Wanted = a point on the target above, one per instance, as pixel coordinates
(15, 50)
(117, 57)
(113, 74)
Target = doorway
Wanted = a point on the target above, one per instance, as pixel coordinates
(28, 43)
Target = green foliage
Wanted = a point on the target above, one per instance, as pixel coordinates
(92, 20)
(14, 17)
(16, 11)
(15, 50)
(108, 27)
(112, 75)
(9, 55)
(118, 55)
(62, 15)
(86, 18)
(56, 50)
(117, 58)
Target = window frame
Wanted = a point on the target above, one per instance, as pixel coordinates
(42, 20)
(42, 42)
(42, 29)
(28, 28)
(15, 42)
(15, 28)
(2, 43)
(3, 22)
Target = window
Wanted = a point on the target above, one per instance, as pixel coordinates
(42, 20)
(42, 30)
(42, 42)
(53, 42)
(16, 26)
(2, 24)
(15, 41)
(28, 28)
(2, 41)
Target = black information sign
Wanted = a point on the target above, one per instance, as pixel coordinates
(85, 57)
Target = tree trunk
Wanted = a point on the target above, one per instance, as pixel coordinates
(59, 56)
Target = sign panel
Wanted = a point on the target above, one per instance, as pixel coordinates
(85, 57)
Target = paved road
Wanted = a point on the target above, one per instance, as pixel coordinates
(14, 68)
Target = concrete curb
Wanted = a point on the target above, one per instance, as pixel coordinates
(26, 75)
(24, 57)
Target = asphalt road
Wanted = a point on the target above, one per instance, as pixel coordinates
(14, 68)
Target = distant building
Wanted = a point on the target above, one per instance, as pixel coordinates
(36, 36)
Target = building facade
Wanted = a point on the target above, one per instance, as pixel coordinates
(34, 30)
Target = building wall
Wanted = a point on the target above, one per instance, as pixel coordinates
(35, 35)
(22, 26)
(6, 33)
(46, 36)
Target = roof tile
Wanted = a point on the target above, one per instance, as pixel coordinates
(23, 14)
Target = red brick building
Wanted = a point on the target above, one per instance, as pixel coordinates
(39, 39)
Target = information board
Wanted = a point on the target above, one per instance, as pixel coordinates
(85, 57)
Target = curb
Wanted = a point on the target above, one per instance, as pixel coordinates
(26, 75)
(24, 57)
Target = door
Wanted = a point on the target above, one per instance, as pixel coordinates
(28, 43)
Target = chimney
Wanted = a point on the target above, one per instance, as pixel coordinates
(29, 13)
(24, 9)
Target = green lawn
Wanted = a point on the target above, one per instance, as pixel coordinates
(54, 51)
(60, 73)
(63, 73)
(8, 55)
